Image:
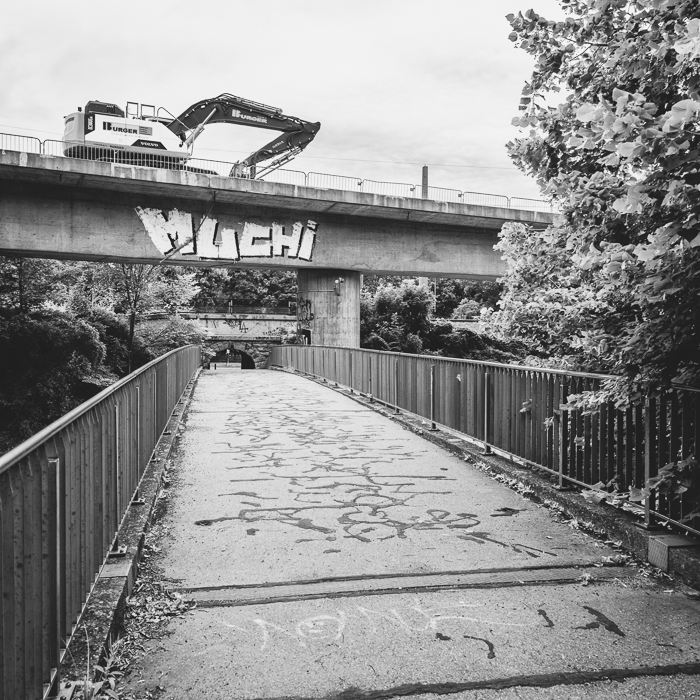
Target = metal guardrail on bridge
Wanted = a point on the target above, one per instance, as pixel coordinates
(63, 494)
(81, 151)
(518, 411)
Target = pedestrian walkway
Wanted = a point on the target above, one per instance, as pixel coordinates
(331, 551)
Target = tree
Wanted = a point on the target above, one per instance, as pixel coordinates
(450, 293)
(618, 276)
(132, 290)
(395, 317)
(218, 287)
(371, 283)
(113, 332)
(468, 308)
(160, 337)
(48, 360)
(28, 283)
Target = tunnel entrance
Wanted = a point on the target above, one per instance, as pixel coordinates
(246, 355)
(247, 362)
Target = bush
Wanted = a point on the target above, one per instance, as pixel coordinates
(45, 357)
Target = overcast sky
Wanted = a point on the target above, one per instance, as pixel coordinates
(396, 84)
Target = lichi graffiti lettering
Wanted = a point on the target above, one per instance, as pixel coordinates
(209, 241)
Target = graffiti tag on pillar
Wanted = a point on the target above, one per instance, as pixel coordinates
(207, 240)
(305, 312)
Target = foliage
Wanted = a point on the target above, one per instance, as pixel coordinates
(394, 318)
(409, 304)
(28, 283)
(162, 336)
(621, 156)
(93, 287)
(132, 290)
(676, 479)
(218, 287)
(45, 359)
(451, 293)
(371, 283)
(108, 673)
(398, 318)
(554, 303)
(141, 288)
(467, 308)
(466, 344)
(52, 360)
(113, 332)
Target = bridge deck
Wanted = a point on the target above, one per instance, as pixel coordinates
(329, 549)
(88, 210)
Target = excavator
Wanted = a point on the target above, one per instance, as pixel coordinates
(144, 136)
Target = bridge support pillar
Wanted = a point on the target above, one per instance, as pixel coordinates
(328, 307)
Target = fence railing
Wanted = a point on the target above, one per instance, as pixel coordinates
(227, 310)
(63, 494)
(519, 411)
(82, 151)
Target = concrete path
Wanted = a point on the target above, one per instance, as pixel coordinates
(333, 553)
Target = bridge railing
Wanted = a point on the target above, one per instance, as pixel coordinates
(82, 151)
(520, 412)
(23, 144)
(63, 494)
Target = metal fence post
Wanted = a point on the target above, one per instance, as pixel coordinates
(369, 368)
(433, 426)
(563, 435)
(487, 412)
(396, 387)
(458, 416)
(649, 457)
(137, 500)
(155, 406)
(56, 463)
(117, 551)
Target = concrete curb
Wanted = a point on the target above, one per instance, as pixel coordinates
(604, 520)
(104, 612)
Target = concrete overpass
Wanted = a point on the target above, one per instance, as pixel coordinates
(57, 207)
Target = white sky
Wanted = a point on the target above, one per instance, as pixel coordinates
(396, 84)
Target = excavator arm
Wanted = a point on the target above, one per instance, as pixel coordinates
(237, 110)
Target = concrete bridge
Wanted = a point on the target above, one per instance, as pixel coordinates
(64, 208)
(252, 334)
(332, 553)
(313, 543)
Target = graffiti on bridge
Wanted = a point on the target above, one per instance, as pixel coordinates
(305, 312)
(210, 241)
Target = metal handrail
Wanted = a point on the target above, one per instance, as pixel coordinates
(16, 142)
(223, 168)
(23, 449)
(63, 494)
(522, 413)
